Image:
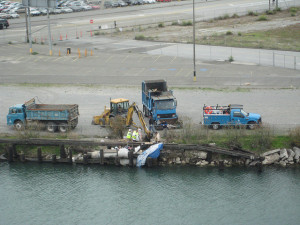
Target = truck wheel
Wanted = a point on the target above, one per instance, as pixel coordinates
(251, 125)
(51, 127)
(19, 125)
(63, 127)
(215, 126)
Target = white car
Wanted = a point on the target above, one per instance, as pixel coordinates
(86, 7)
(14, 15)
(34, 12)
(65, 10)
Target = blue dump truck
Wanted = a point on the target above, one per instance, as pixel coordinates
(231, 115)
(159, 102)
(52, 117)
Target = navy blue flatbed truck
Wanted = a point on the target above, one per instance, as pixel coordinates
(52, 117)
(231, 115)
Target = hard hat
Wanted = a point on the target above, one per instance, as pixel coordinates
(130, 130)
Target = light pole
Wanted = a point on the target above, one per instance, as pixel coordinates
(194, 50)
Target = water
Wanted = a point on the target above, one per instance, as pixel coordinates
(64, 194)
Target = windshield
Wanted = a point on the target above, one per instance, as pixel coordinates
(244, 113)
(169, 104)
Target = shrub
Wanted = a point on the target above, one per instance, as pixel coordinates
(262, 139)
(226, 16)
(187, 23)
(278, 9)
(175, 23)
(140, 37)
(235, 16)
(295, 136)
(117, 127)
(229, 33)
(239, 33)
(161, 25)
(293, 14)
(231, 59)
(270, 12)
(293, 10)
(97, 33)
(262, 18)
(34, 53)
(250, 13)
(9, 42)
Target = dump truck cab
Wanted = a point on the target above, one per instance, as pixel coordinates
(16, 115)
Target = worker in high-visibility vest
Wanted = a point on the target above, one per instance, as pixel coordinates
(135, 135)
(129, 135)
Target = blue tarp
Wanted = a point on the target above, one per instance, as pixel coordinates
(153, 151)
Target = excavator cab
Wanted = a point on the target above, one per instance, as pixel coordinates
(118, 106)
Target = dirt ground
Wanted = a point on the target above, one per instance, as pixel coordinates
(273, 105)
(178, 33)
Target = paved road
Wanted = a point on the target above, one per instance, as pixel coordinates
(135, 16)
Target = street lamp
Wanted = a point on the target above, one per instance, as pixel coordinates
(194, 50)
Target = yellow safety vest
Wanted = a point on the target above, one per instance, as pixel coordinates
(129, 135)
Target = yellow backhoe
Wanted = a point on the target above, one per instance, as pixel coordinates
(120, 107)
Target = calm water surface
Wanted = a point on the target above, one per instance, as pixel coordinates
(63, 194)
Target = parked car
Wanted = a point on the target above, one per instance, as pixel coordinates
(4, 23)
(43, 11)
(34, 12)
(13, 15)
(66, 9)
(108, 4)
(86, 7)
(4, 16)
(122, 3)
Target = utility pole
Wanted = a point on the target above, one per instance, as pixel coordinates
(194, 47)
(26, 21)
(29, 28)
(49, 31)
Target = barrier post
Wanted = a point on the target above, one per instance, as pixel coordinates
(85, 52)
(59, 52)
(78, 52)
(91, 52)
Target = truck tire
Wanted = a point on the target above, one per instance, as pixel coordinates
(19, 125)
(51, 127)
(63, 127)
(251, 125)
(215, 126)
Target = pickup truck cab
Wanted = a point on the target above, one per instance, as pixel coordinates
(231, 115)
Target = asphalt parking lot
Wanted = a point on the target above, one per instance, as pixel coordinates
(126, 62)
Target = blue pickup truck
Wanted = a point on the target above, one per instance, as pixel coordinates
(52, 117)
(231, 115)
(159, 102)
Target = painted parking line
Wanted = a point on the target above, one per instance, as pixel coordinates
(173, 59)
(178, 73)
(109, 58)
(18, 59)
(157, 58)
(124, 58)
(57, 59)
(74, 60)
(15, 46)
